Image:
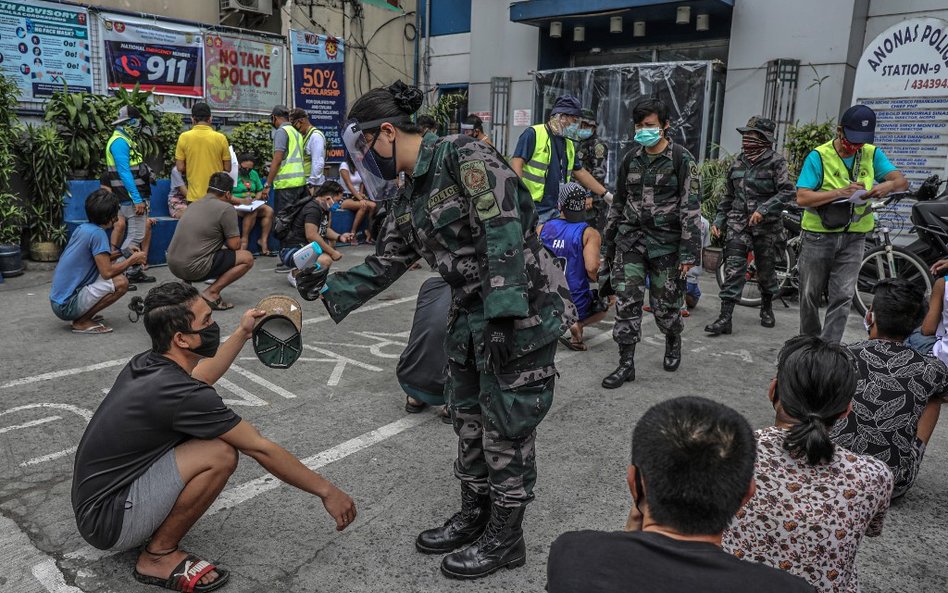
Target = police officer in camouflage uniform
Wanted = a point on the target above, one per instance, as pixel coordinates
(757, 190)
(468, 215)
(652, 232)
(592, 153)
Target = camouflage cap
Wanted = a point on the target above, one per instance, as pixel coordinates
(762, 125)
(277, 341)
(589, 115)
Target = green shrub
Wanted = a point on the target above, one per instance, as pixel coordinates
(45, 173)
(83, 122)
(713, 180)
(254, 138)
(12, 219)
(801, 139)
(170, 126)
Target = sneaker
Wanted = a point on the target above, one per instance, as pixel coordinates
(291, 278)
(282, 269)
(140, 278)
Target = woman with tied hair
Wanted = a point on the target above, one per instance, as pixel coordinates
(815, 500)
(465, 211)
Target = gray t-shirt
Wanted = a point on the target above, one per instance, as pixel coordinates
(201, 232)
(281, 139)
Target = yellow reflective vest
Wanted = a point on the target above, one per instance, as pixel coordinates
(836, 175)
(534, 170)
(291, 173)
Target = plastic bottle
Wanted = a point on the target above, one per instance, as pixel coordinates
(305, 257)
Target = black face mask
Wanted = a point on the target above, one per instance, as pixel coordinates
(210, 340)
(244, 171)
(387, 168)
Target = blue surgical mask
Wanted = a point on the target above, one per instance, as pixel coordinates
(648, 137)
(585, 134)
(571, 131)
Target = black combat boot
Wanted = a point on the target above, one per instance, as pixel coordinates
(625, 371)
(461, 529)
(767, 311)
(501, 545)
(672, 352)
(722, 325)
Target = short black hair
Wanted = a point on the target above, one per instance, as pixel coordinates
(397, 101)
(474, 120)
(816, 381)
(220, 183)
(329, 188)
(167, 311)
(647, 107)
(201, 111)
(426, 121)
(898, 307)
(298, 114)
(246, 156)
(696, 458)
(102, 207)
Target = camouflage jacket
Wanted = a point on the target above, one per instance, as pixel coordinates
(469, 216)
(657, 205)
(763, 187)
(592, 155)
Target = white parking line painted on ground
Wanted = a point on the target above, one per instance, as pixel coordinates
(63, 373)
(30, 424)
(244, 492)
(246, 398)
(47, 573)
(263, 382)
(365, 309)
(341, 362)
(50, 457)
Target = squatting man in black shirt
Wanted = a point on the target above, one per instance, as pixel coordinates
(162, 445)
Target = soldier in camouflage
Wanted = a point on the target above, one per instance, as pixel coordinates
(652, 232)
(592, 153)
(469, 216)
(758, 188)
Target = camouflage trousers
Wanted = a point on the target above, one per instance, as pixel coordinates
(496, 425)
(629, 270)
(765, 246)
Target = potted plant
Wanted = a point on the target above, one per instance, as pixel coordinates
(82, 120)
(44, 170)
(254, 138)
(713, 179)
(12, 219)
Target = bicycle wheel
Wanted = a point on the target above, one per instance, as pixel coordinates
(875, 267)
(785, 266)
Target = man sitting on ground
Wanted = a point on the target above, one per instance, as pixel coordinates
(86, 281)
(900, 392)
(206, 243)
(692, 469)
(311, 224)
(576, 244)
(162, 445)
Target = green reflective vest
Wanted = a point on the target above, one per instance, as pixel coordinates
(291, 173)
(134, 163)
(534, 170)
(836, 175)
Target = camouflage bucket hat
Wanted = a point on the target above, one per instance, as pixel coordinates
(762, 125)
(277, 340)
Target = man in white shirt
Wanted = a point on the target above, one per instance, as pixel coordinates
(314, 149)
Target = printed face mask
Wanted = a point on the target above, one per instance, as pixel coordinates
(648, 137)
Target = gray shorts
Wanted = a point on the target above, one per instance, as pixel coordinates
(149, 501)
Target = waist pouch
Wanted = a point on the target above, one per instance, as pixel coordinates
(836, 216)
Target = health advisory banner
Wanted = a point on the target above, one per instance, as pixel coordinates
(244, 74)
(44, 46)
(165, 58)
(319, 85)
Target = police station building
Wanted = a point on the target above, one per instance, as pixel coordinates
(716, 62)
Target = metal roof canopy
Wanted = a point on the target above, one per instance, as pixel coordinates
(598, 12)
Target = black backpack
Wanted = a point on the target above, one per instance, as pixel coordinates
(283, 221)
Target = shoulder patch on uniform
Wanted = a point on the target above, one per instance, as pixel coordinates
(445, 194)
(693, 169)
(486, 206)
(474, 177)
(600, 151)
(403, 218)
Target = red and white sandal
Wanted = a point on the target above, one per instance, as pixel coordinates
(186, 576)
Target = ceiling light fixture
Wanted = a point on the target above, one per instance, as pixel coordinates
(615, 24)
(556, 29)
(683, 16)
(638, 30)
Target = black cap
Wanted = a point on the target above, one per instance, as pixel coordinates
(280, 111)
(567, 104)
(572, 202)
(859, 124)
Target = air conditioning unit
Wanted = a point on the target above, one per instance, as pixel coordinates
(254, 6)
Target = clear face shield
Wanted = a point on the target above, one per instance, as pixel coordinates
(360, 151)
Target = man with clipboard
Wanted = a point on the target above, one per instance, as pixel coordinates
(835, 225)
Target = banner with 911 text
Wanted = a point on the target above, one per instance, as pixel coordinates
(166, 58)
(319, 85)
(244, 74)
